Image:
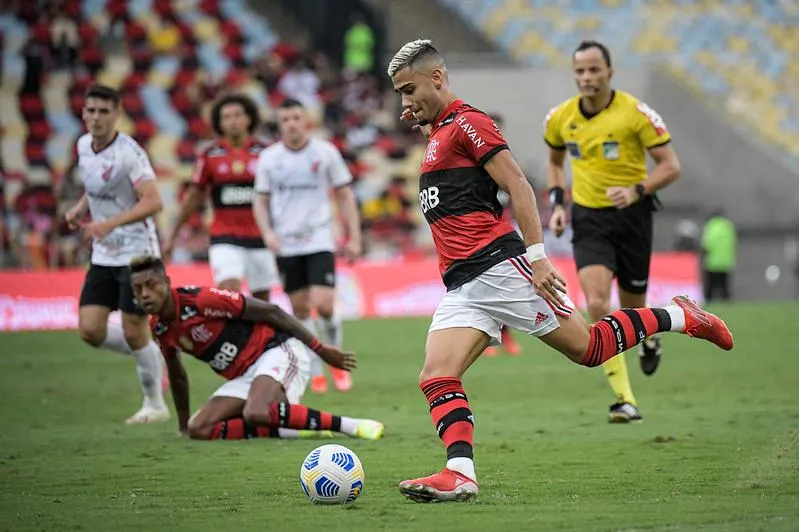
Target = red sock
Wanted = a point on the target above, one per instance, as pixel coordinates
(237, 429)
(295, 416)
(621, 330)
(451, 415)
(507, 337)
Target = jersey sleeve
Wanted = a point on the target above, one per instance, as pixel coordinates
(650, 127)
(338, 172)
(552, 134)
(201, 175)
(262, 184)
(220, 303)
(479, 136)
(139, 167)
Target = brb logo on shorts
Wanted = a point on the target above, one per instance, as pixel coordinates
(428, 198)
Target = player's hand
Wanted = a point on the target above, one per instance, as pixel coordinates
(407, 116)
(622, 197)
(337, 358)
(548, 282)
(272, 241)
(557, 222)
(97, 230)
(353, 250)
(73, 216)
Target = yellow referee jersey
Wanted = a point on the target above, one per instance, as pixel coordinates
(607, 149)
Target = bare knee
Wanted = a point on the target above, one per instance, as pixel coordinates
(135, 332)
(256, 416)
(197, 430)
(598, 305)
(93, 335)
(325, 309)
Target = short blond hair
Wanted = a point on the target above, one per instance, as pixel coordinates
(415, 52)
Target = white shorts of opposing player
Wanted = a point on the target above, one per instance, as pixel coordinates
(289, 364)
(257, 266)
(502, 295)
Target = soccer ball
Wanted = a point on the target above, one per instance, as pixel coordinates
(331, 474)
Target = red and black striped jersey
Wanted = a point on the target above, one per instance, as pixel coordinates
(208, 327)
(229, 172)
(459, 198)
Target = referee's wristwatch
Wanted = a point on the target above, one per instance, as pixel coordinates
(640, 189)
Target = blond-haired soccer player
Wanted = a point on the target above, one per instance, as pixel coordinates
(607, 134)
(495, 276)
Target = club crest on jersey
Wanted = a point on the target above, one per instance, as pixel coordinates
(315, 166)
(238, 167)
(106, 175)
(430, 154)
(223, 168)
(200, 334)
(611, 150)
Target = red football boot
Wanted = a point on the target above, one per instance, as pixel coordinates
(446, 486)
(703, 324)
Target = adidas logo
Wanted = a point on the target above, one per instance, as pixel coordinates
(541, 318)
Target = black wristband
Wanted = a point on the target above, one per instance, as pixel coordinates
(556, 196)
(640, 189)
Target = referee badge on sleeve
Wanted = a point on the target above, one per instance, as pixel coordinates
(611, 150)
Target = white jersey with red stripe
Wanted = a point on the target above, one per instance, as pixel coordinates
(110, 178)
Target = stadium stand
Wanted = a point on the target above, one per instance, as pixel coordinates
(738, 52)
(170, 59)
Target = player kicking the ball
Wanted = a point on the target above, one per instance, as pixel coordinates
(493, 277)
(262, 351)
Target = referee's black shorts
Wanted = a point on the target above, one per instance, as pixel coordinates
(620, 239)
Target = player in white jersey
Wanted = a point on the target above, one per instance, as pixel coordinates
(293, 181)
(121, 196)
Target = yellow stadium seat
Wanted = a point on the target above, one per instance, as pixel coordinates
(206, 29)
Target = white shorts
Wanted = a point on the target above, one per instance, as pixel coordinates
(289, 364)
(502, 295)
(256, 265)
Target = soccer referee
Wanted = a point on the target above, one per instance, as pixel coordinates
(607, 134)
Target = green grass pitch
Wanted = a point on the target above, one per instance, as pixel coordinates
(718, 450)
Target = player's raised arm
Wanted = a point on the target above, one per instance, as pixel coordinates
(259, 311)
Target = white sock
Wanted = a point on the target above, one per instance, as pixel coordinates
(349, 425)
(148, 366)
(464, 466)
(331, 330)
(677, 315)
(317, 368)
(115, 339)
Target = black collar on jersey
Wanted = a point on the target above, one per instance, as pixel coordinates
(113, 140)
(448, 114)
(589, 116)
